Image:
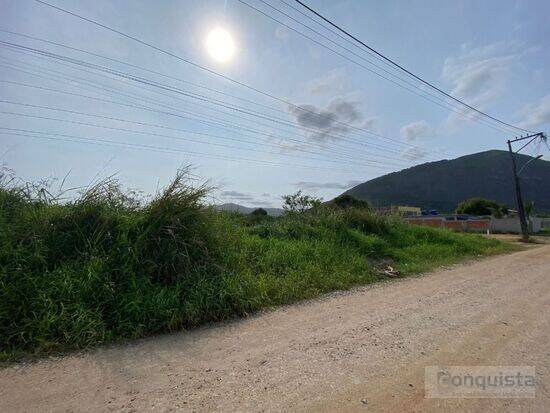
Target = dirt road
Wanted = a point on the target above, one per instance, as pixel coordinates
(363, 351)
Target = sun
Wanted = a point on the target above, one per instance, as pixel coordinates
(220, 45)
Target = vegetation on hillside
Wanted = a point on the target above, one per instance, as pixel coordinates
(104, 266)
(443, 184)
(480, 206)
(348, 201)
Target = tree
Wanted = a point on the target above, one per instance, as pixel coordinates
(259, 212)
(348, 201)
(480, 206)
(299, 203)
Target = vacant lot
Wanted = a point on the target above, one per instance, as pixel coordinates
(364, 350)
(104, 266)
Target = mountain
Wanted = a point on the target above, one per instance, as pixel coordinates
(247, 210)
(443, 184)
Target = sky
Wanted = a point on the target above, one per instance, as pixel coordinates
(283, 113)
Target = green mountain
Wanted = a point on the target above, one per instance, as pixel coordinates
(443, 184)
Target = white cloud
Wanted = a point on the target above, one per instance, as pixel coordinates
(536, 114)
(415, 130)
(334, 81)
(326, 185)
(478, 75)
(370, 123)
(414, 154)
(236, 195)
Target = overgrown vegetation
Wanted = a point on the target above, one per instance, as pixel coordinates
(104, 267)
(480, 206)
(348, 201)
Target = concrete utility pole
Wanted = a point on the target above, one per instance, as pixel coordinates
(519, 199)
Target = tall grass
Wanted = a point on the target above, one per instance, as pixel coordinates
(103, 266)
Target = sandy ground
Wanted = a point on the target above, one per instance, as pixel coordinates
(363, 350)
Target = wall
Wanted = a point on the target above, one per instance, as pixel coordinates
(512, 225)
(476, 225)
(498, 225)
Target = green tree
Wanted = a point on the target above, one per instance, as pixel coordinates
(348, 201)
(481, 206)
(260, 212)
(299, 202)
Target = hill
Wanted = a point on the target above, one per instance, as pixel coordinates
(247, 210)
(443, 184)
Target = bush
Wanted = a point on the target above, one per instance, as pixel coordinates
(299, 202)
(480, 206)
(348, 201)
(105, 266)
(259, 212)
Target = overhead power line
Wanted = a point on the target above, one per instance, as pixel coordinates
(65, 46)
(364, 161)
(240, 109)
(132, 145)
(183, 138)
(402, 68)
(409, 86)
(196, 65)
(335, 149)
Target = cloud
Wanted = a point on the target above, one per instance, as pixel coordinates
(282, 33)
(415, 130)
(241, 196)
(334, 81)
(478, 75)
(326, 185)
(249, 199)
(414, 154)
(327, 121)
(370, 123)
(536, 114)
(263, 203)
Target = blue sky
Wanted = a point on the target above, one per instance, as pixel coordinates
(492, 54)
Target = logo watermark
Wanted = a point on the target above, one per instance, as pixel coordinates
(446, 382)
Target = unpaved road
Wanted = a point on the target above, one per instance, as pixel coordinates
(361, 351)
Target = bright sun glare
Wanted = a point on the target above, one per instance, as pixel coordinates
(220, 45)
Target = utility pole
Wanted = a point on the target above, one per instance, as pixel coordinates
(519, 199)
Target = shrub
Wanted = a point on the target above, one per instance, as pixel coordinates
(105, 266)
(348, 201)
(259, 212)
(480, 206)
(299, 202)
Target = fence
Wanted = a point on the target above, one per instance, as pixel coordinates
(457, 223)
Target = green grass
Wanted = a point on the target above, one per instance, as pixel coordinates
(102, 267)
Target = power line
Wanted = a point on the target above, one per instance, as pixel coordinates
(417, 90)
(380, 136)
(394, 63)
(185, 138)
(106, 142)
(277, 120)
(196, 65)
(217, 123)
(134, 122)
(197, 96)
(177, 79)
(133, 106)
